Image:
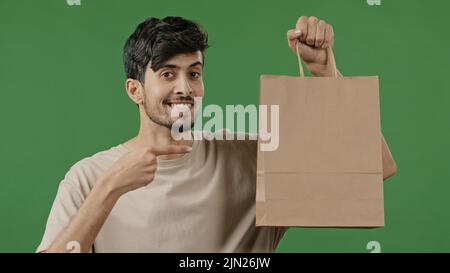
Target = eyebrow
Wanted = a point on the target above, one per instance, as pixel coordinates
(176, 66)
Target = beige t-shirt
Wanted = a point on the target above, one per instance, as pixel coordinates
(203, 201)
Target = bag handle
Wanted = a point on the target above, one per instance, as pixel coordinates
(331, 59)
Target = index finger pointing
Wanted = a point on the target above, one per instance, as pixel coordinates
(171, 149)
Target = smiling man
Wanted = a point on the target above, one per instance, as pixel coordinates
(155, 194)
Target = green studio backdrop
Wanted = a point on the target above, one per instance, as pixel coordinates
(63, 98)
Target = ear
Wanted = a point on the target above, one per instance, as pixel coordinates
(134, 90)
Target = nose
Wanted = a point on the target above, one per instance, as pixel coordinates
(184, 88)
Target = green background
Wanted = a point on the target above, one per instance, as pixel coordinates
(63, 98)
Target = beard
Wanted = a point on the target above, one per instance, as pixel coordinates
(161, 115)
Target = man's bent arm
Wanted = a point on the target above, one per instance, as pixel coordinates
(388, 162)
(87, 222)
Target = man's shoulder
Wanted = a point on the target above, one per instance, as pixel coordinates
(84, 172)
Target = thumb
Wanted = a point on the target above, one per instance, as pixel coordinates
(293, 36)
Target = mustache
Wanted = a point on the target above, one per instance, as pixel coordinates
(180, 99)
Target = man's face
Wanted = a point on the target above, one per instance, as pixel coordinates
(173, 88)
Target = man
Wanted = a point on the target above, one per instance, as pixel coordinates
(155, 194)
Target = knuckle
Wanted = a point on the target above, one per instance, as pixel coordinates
(144, 153)
(152, 168)
(313, 19)
(151, 156)
(302, 19)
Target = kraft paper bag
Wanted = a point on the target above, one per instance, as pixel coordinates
(327, 170)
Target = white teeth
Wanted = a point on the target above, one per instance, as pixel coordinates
(180, 105)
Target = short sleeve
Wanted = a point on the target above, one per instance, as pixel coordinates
(66, 204)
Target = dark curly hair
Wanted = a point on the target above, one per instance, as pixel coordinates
(157, 40)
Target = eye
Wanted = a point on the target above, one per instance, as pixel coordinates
(195, 75)
(167, 75)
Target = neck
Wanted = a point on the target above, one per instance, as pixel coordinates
(152, 134)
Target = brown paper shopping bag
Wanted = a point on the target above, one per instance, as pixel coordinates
(327, 170)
